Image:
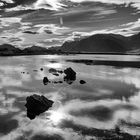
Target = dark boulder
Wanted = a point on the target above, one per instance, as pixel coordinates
(56, 74)
(82, 82)
(37, 104)
(70, 75)
(60, 71)
(60, 82)
(41, 69)
(52, 70)
(45, 80)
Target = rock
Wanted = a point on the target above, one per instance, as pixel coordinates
(52, 70)
(70, 75)
(82, 82)
(60, 71)
(55, 82)
(56, 74)
(36, 105)
(70, 72)
(41, 69)
(45, 80)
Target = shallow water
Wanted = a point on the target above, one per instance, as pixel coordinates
(109, 98)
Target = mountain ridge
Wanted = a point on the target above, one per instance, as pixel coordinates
(98, 43)
(104, 43)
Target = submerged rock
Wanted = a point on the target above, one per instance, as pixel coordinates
(82, 82)
(60, 71)
(56, 74)
(70, 75)
(45, 80)
(52, 70)
(36, 105)
(57, 82)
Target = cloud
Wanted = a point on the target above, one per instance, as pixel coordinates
(50, 28)
(7, 124)
(50, 4)
(101, 113)
(47, 137)
(60, 4)
(56, 4)
(9, 21)
(135, 3)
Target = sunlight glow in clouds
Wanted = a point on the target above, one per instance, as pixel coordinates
(56, 116)
(52, 22)
(56, 4)
(59, 4)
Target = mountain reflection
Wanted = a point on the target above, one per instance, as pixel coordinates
(110, 97)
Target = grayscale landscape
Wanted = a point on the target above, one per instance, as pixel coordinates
(69, 70)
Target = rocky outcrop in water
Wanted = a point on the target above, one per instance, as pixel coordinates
(36, 105)
(70, 75)
(45, 80)
(82, 82)
(55, 72)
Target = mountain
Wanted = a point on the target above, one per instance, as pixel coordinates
(99, 43)
(134, 41)
(7, 49)
(10, 50)
(34, 50)
(103, 43)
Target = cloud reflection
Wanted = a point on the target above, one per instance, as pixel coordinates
(80, 111)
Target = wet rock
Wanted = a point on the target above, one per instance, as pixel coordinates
(82, 82)
(70, 72)
(60, 82)
(70, 75)
(36, 105)
(56, 74)
(45, 80)
(57, 82)
(52, 70)
(60, 71)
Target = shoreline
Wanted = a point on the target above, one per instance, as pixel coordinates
(65, 53)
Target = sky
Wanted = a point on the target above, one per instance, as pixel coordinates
(46, 23)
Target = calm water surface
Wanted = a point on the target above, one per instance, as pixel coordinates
(110, 97)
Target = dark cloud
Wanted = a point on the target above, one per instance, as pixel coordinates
(98, 133)
(101, 89)
(47, 137)
(16, 3)
(101, 113)
(7, 124)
